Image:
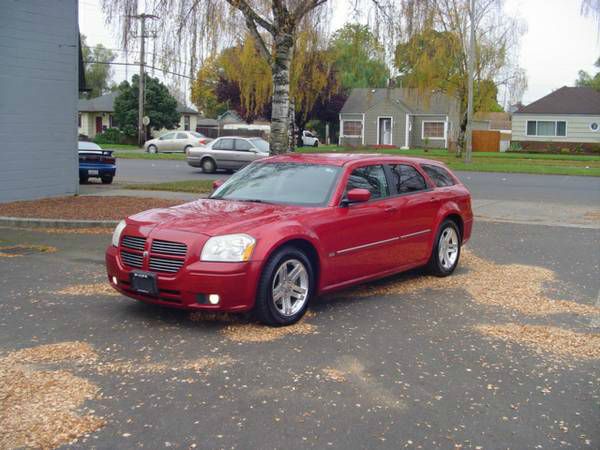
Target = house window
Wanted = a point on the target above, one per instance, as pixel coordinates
(550, 128)
(594, 126)
(112, 122)
(433, 130)
(352, 128)
(186, 123)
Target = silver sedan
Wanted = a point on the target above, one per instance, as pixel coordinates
(176, 141)
(230, 152)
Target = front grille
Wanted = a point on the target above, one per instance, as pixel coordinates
(168, 248)
(132, 259)
(134, 242)
(165, 265)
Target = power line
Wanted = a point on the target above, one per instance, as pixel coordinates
(134, 64)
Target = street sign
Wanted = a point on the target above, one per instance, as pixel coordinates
(146, 120)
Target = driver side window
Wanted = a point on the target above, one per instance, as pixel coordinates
(371, 178)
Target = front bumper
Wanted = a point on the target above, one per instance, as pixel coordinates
(235, 283)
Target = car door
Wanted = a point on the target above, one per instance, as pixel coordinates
(244, 152)
(222, 152)
(181, 140)
(415, 209)
(165, 142)
(361, 238)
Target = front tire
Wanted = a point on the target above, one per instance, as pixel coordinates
(286, 285)
(446, 250)
(208, 166)
(152, 149)
(316, 144)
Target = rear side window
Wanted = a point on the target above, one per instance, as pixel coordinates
(242, 145)
(371, 178)
(224, 144)
(407, 179)
(181, 136)
(440, 176)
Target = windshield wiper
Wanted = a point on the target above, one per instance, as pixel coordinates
(252, 200)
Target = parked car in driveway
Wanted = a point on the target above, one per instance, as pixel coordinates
(290, 227)
(176, 141)
(309, 139)
(230, 152)
(95, 163)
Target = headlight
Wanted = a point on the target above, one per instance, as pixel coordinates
(228, 248)
(117, 233)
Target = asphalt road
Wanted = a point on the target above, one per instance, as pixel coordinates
(412, 371)
(569, 190)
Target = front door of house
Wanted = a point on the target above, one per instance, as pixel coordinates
(98, 124)
(385, 131)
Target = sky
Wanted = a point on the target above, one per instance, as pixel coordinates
(557, 43)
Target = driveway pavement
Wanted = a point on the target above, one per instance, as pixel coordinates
(404, 367)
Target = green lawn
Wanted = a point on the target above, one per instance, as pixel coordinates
(536, 163)
(514, 162)
(191, 186)
(120, 147)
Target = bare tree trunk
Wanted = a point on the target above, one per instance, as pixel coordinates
(280, 114)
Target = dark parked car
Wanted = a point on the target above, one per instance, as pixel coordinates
(96, 163)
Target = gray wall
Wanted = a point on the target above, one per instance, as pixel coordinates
(578, 128)
(38, 99)
(385, 109)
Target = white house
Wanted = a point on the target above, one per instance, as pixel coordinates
(97, 115)
(567, 118)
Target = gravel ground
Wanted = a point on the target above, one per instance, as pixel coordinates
(409, 362)
(83, 208)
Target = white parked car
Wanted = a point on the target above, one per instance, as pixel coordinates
(309, 139)
(176, 141)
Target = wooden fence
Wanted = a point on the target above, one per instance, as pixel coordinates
(486, 141)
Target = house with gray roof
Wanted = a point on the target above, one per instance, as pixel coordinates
(96, 115)
(566, 118)
(399, 117)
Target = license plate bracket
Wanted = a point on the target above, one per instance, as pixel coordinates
(93, 172)
(143, 282)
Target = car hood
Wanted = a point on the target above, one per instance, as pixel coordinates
(215, 217)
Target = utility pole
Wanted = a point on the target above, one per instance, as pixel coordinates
(470, 70)
(141, 91)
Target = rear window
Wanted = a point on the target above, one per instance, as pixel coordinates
(440, 176)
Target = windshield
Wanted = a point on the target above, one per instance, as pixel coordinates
(287, 183)
(260, 144)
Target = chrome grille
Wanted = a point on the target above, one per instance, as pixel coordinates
(133, 242)
(132, 259)
(165, 265)
(168, 248)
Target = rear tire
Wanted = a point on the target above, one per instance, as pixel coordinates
(83, 180)
(108, 179)
(208, 166)
(286, 285)
(186, 150)
(316, 144)
(152, 149)
(446, 250)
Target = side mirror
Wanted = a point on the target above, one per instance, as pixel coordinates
(358, 195)
(217, 183)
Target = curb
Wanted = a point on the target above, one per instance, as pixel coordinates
(56, 223)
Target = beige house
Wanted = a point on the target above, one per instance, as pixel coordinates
(567, 118)
(96, 115)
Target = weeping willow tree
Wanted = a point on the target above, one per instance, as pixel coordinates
(435, 55)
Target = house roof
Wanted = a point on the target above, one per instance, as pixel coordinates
(566, 100)
(105, 103)
(363, 99)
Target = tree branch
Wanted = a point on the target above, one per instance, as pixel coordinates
(252, 15)
(260, 42)
(304, 7)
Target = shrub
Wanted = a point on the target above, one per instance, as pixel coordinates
(110, 136)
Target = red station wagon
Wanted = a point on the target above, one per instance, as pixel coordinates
(290, 227)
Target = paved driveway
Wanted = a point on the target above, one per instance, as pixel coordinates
(412, 365)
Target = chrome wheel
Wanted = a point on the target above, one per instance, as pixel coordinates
(448, 248)
(289, 290)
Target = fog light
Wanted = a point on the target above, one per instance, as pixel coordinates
(114, 280)
(213, 299)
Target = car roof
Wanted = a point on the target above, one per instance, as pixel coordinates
(342, 159)
(84, 145)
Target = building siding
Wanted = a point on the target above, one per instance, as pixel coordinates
(38, 99)
(578, 128)
(385, 109)
(416, 141)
